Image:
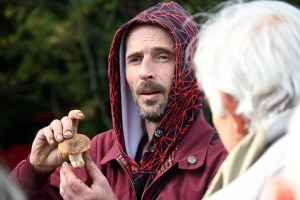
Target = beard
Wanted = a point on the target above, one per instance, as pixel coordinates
(155, 115)
(159, 110)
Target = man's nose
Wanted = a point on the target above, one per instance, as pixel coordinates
(147, 69)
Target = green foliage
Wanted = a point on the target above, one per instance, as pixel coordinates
(53, 58)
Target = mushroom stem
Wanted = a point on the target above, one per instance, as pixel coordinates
(76, 160)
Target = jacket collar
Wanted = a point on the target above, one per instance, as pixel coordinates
(194, 145)
(113, 154)
(277, 126)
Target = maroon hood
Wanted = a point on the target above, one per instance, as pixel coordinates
(185, 98)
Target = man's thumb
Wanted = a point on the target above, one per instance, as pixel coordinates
(92, 168)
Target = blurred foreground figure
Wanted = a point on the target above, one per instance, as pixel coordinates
(248, 64)
(287, 186)
(8, 190)
(293, 154)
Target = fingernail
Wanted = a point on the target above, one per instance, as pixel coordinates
(59, 137)
(88, 157)
(80, 114)
(52, 141)
(64, 164)
(68, 133)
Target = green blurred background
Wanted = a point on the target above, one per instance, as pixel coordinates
(53, 58)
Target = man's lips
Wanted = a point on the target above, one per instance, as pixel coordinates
(149, 91)
(149, 94)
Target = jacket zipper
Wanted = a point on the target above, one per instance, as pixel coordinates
(132, 185)
(156, 180)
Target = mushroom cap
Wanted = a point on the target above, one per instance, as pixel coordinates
(79, 143)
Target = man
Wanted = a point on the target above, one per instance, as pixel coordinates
(162, 150)
(248, 63)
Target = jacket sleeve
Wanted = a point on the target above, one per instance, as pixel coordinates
(35, 184)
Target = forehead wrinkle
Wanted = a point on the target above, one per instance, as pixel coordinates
(155, 49)
(152, 34)
(146, 43)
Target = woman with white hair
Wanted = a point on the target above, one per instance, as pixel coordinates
(248, 64)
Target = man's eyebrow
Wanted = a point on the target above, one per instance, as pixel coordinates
(161, 49)
(133, 54)
(164, 49)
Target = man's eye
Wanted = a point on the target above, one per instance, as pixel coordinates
(134, 60)
(164, 57)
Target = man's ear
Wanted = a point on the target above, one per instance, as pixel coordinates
(230, 105)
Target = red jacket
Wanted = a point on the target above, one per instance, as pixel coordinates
(189, 182)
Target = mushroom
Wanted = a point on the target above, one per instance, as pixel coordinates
(73, 147)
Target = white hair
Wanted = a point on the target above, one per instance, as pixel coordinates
(251, 51)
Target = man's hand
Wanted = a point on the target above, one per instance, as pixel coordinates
(44, 153)
(73, 188)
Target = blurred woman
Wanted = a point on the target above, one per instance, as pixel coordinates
(248, 64)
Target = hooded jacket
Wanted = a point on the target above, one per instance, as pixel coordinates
(182, 156)
(185, 98)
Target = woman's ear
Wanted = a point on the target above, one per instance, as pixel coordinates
(230, 105)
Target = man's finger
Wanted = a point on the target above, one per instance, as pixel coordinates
(46, 133)
(56, 127)
(75, 115)
(93, 169)
(64, 189)
(67, 124)
(70, 183)
(100, 186)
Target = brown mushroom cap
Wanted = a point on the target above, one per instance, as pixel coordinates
(79, 143)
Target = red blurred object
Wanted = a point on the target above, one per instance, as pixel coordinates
(43, 117)
(14, 154)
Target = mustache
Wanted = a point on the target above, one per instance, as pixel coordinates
(150, 85)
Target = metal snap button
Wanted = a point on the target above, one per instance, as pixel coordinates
(153, 149)
(192, 160)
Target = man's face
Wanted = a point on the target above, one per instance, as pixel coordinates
(150, 69)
